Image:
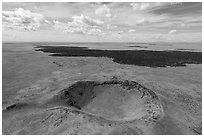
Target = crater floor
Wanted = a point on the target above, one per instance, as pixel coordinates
(114, 100)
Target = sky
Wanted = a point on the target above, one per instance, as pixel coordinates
(102, 22)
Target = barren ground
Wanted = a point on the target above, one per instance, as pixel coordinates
(40, 96)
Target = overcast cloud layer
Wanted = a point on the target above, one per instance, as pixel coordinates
(86, 22)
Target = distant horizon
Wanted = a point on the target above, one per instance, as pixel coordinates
(93, 42)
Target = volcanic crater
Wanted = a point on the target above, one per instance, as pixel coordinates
(112, 100)
(116, 104)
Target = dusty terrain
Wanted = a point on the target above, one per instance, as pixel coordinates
(94, 95)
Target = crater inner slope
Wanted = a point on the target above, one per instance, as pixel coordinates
(113, 100)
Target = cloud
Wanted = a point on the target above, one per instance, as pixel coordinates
(22, 19)
(132, 30)
(172, 31)
(149, 5)
(85, 21)
(109, 26)
(103, 11)
(175, 3)
(140, 6)
(183, 25)
(95, 32)
(65, 27)
(142, 21)
(145, 19)
(158, 36)
(80, 25)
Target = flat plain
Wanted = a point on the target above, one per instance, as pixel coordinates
(48, 94)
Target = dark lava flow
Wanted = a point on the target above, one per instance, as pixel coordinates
(133, 57)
